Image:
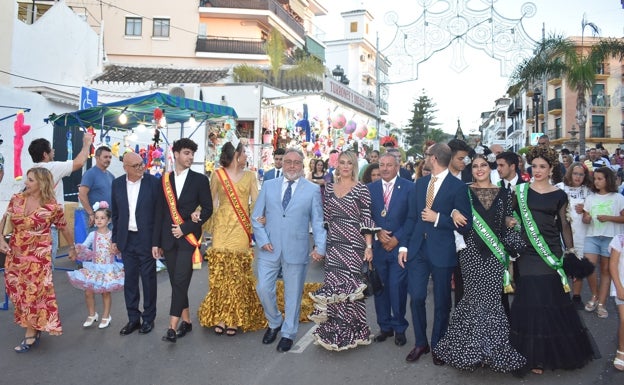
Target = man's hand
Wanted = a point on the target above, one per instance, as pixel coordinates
(429, 215)
(316, 256)
(391, 244)
(157, 252)
(402, 258)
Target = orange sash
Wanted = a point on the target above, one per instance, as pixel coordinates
(241, 214)
(170, 196)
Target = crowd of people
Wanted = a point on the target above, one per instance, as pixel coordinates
(513, 243)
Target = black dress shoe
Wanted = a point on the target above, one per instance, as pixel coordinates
(185, 327)
(129, 328)
(170, 336)
(146, 327)
(284, 344)
(418, 351)
(270, 335)
(381, 337)
(399, 339)
(436, 360)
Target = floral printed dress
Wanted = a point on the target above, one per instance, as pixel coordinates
(101, 274)
(28, 266)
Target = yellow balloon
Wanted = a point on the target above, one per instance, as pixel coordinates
(372, 133)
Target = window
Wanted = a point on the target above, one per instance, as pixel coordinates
(598, 95)
(133, 26)
(353, 26)
(598, 126)
(161, 28)
(558, 93)
(557, 128)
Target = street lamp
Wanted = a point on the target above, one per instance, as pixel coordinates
(338, 74)
(536, 99)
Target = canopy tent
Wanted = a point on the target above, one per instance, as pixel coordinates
(140, 110)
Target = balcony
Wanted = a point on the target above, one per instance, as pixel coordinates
(554, 106)
(225, 45)
(290, 18)
(600, 102)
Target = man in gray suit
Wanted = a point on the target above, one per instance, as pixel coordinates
(287, 205)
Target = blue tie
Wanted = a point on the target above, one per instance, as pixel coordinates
(287, 194)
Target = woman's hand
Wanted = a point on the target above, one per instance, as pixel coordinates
(261, 220)
(368, 255)
(195, 216)
(72, 253)
(4, 247)
(510, 222)
(458, 218)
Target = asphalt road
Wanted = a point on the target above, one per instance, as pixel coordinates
(93, 356)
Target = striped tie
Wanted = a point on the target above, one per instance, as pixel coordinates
(430, 191)
(287, 194)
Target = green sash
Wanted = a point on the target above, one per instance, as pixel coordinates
(536, 238)
(488, 237)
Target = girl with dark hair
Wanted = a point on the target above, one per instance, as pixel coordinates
(545, 327)
(232, 303)
(604, 214)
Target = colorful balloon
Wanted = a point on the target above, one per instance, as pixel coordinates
(372, 133)
(339, 121)
(350, 127)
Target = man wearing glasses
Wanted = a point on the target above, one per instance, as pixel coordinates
(133, 204)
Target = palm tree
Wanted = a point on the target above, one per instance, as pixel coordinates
(559, 57)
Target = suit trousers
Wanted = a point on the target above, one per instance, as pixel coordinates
(391, 303)
(294, 279)
(419, 269)
(139, 263)
(180, 267)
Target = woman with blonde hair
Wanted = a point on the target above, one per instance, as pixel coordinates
(339, 304)
(28, 266)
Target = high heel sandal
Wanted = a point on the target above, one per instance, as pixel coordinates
(219, 330)
(601, 312)
(591, 304)
(618, 363)
(90, 320)
(24, 346)
(105, 322)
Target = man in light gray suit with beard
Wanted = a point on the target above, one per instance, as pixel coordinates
(287, 206)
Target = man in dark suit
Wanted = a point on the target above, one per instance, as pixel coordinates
(430, 248)
(389, 208)
(277, 171)
(177, 235)
(133, 202)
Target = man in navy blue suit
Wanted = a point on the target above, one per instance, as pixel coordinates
(277, 171)
(429, 250)
(389, 208)
(133, 203)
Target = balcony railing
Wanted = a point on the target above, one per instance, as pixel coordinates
(554, 104)
(225, 45)
(601, 101)
(270, 5)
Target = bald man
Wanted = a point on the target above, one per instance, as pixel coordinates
(133, 203)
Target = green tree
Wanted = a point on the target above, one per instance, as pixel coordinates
(559, 57)
(422, 121)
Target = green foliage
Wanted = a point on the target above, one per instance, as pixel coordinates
(276, 50)
(247, 74)
(422, 122)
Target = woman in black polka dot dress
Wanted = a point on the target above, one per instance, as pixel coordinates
(478, 332)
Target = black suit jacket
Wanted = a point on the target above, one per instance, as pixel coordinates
(195, 192)
(149, 194)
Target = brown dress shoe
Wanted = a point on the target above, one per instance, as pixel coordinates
(418, 351)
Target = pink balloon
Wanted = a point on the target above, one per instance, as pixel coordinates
(339, 121)
(361, 132)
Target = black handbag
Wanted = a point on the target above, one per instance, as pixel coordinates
(371, 279)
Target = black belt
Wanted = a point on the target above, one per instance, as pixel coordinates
(133, 232)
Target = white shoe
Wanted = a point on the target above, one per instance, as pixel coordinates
(105, 322)
(90, 320)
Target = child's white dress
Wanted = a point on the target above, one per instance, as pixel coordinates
(102, 274)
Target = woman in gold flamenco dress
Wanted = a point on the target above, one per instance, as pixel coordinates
(231, 302)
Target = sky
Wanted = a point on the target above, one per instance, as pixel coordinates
(464, 95)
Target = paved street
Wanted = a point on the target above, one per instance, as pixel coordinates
(93, 356)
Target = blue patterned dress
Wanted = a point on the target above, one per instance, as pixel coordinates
(340, 309)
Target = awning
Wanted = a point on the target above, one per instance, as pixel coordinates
(140, 110)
